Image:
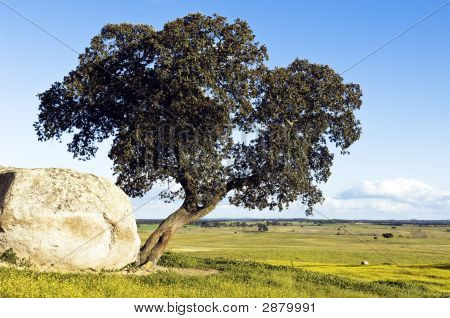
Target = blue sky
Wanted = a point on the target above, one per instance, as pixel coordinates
(399, 167)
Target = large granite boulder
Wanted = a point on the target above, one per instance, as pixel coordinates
(66, 219)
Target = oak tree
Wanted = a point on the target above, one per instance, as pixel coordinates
(173, 102)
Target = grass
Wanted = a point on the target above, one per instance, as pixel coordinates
(318, 244)
(416, 254)
(234, 279)
(291, 261)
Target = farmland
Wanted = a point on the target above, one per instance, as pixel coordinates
(414, 254)
(297, 260)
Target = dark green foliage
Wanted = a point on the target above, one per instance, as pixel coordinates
(387, 235)
(9, 256)
(174, 100)
(262, 227)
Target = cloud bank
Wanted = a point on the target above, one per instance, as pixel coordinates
(394, 198)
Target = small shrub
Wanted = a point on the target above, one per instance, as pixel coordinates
(9, 256)
(375, 237)
(387, 235)
(262, 227)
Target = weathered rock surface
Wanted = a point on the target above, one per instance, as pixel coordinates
(66, 219)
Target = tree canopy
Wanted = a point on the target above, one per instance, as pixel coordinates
(174, 101)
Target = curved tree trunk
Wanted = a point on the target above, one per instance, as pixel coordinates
(157, 242)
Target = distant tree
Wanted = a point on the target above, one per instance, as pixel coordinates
(262, 227)
(171, 101)
(387, 235)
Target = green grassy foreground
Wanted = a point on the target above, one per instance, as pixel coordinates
(302, 260)
(234, 279)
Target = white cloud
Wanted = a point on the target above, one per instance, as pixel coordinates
(394, 198)
(398, 189)
(367, 204)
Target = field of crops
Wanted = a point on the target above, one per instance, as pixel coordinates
(419, 254)
(299, 260)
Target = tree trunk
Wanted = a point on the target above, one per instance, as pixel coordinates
(157, 242)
